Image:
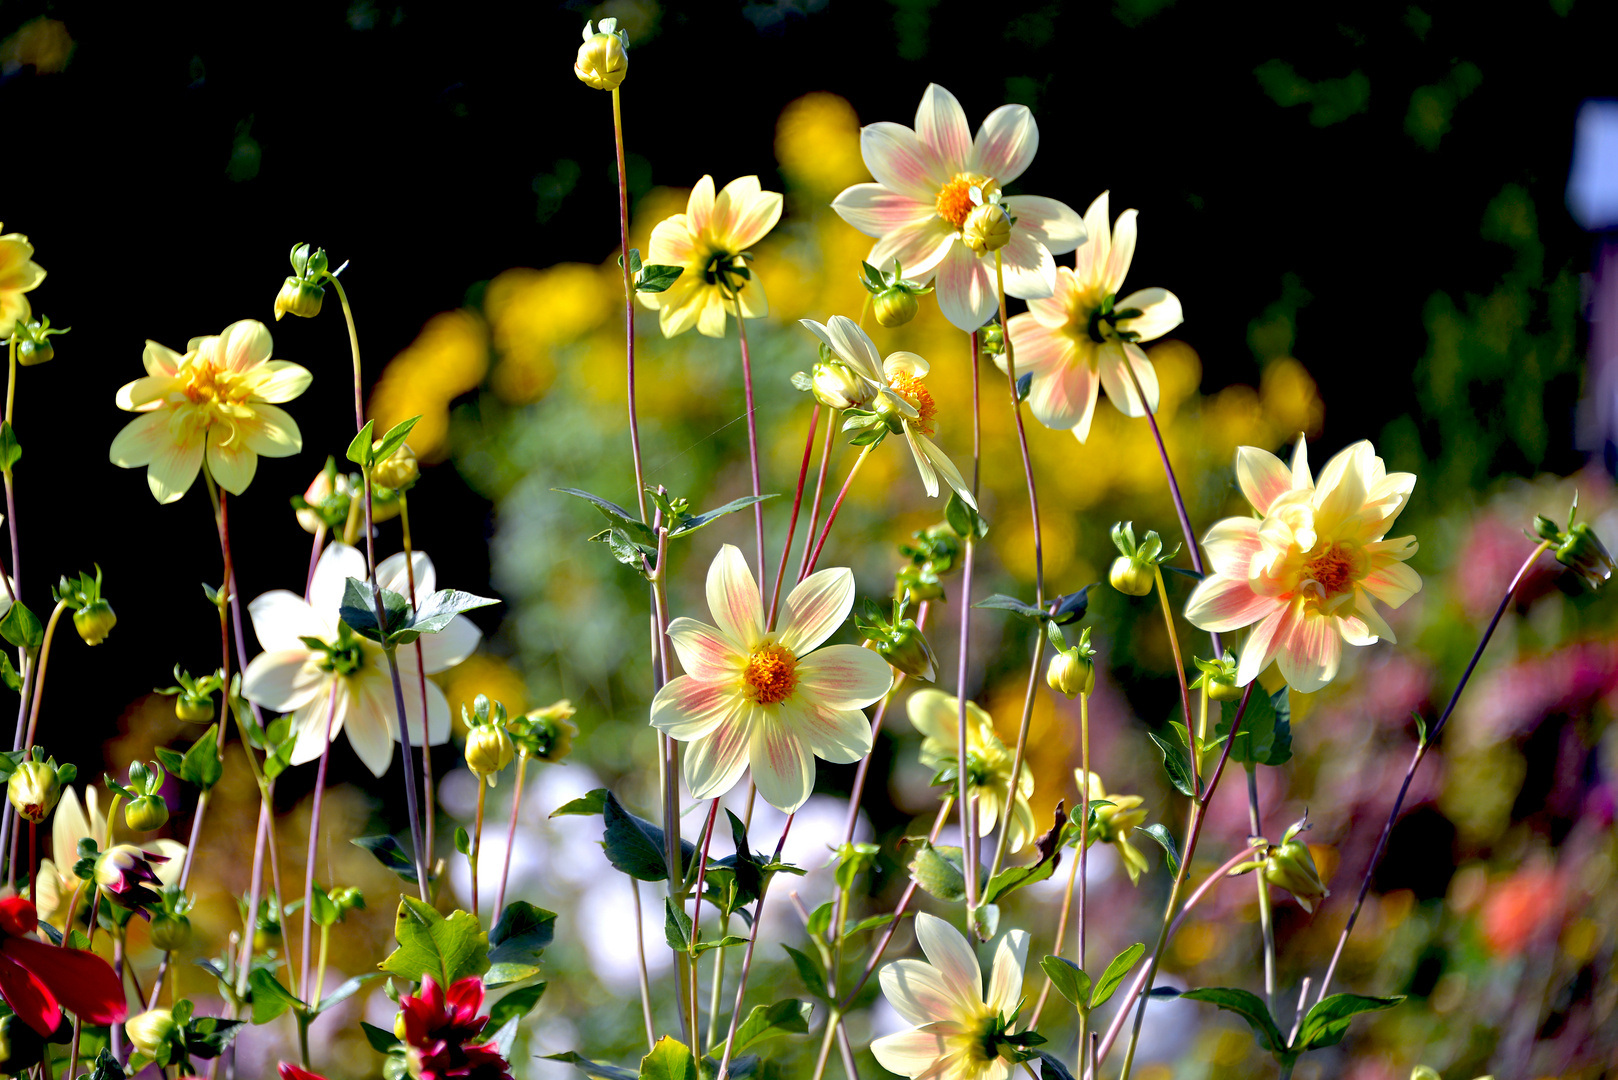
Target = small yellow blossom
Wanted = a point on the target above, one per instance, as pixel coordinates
(988, 761)
(1114, 823)
(710, 241)
(19, 275)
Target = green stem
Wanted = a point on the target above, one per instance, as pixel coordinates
(1266, 925)
(629, 298)
(1194, 750)
(477, 843)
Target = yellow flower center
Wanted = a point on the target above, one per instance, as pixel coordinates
(954, 201)
(1334, 570)
(771, 674)
(203, 385)
(913, 390)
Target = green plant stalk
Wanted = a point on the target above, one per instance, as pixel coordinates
(752, 438)
(629, 298)
(320, 969)
(696, 934)
(11, 494)
(820, 490)
(670, 768)
(477, 844)
(835, 1018)
(645, 977)
(33, 721)
(1194, 751)
(430, 818)
(511, 832)
(314, 841)
(1266, 924)
(1075, 873)
(747, 959)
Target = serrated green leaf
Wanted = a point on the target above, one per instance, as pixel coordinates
(670, 1059)
(676, 926)
(201, 765)
(1114, 974)
(656, 277)
(429, 943)
(521, 934)
(1327, 1023)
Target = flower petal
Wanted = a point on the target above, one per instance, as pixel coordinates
(715, 762)
(689, 707)
(371, 725)
(450, 646)
(174, 468)
(946, 468)
(733, 598)
(1123, 251)
(816, 608)
(1005, 974)
(1309, 657)
(394, 575)
(1231, 546)
(337, 564)
(913, 1053)
(1221, 604)
(1053, 223)
(160, 359)
(933, 713)
(1029, 268)
(140, 440)
(705, 651)
(1262, 477)
(951, 957)
(284, 679)
(900, 163)
(1090, 258)
(743, 214)
(1265, 640)
(309, 723)
(929, 478)
(838, 736)
(28, 997)
(136, 396)
(843, 677)
(283, 381)
(1111, 358)
(699, 207)
(1160, 312)
(1391, 582)
(918, 993)
(879, 211)
(966, 293)
(942, 129)
(1006, 143)
(918, 248)
(783, 767)
(243, 345)
(81, 982)
(231, 463)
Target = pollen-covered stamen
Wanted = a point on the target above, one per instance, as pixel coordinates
(954, 201)
(915, 391)
(1333, 571)
(771, 674)
(202, 384)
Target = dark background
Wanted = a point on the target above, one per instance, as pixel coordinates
(165, 172)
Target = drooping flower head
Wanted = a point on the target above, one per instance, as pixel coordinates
(988, 761)
(1305, 572)
(437, 1028)
(1078, 341)
(217, 400)
(310, 653)
(930, 180)
(768, 699)
(899, 398)
(711, 241)
(959, 1028)
(123, 873)
(38, 980)
(19, 275)
(1114, 823)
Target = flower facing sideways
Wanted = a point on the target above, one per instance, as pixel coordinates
(959, 1029)
(1114, 823)
(711, 241)
(988, 761)
(768, 699)
(314, 667)
(901, 400)
(931, 179)
(1079, 341)
(1305, 573)
(19, 275)
(219, 401)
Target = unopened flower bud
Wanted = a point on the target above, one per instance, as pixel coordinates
(602, 61)
(347, 899)
(1128, 576)
(918, 583)
(146, 813)
(488, 750)
(1071, 673)
(906, 648)
(170, 932)
(837, 387)
(398, 470)
(1292, 867)
(94, 621)
(987, 228)
(548, 733)
(1223, 688)
(1582, 551)
(193, 708)
(30, 353)
(149, 1031)
(992, 339)
(299, 297)
(894, 306)
(124, 871)
(33, 789)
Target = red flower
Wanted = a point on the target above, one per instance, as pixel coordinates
(292, 1072)
(438, 1026)
(39, 980)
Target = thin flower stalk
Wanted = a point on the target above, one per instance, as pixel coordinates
(645, 976)
(477, 846)
(1415, 762)
(696, 927)
(421, 673)
(314, 840)
(28, 735)
(1255, 826)
(831, 517)
(963, 796)
(752, 438)
(669, 760)
(814, 509)
(629, 299)
(792, 526)
(1179, 675)
(747, 958)
(1076, 874)
(511, 833)
(11, 495)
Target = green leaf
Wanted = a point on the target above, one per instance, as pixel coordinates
(965, 521)
(8, 673)
(1421, 728)
(1051, 1067)
(349, 988)
(1159, 832)
(382, 1041)
(814, 980)
(635, 846)
(1049, 848)
(708, 517)
(939, 872)
(516, 1005)
(446, 948)
(1176, 762)
(676, 926)
(749, 872)
(1265, 737)
(636, 556)
(1024, 384)
(270, 998)
(321, 910)
(593, 1069)
(521, 934)
(358, 610)
(870, 922)
(359, 448)
(1114, 974)
(1069, 979)
(670, 1059)
(390, 854)
(729, 941)
(1249, 1007)
(22, 627)
(207, 1037)
(592, 802)
(1327, 1022)
(637, 529)
(394, 439)
(107, 1067)
(819, 920)
(436, 612)
(201, 765)
(1002, 602)
(10, 448)
(656, 278)
(463, 840)
(787, 1017)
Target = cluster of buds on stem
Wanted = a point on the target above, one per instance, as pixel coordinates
(1135, 569)
(931, 556)
(1072, 671)
(1579, 548)
(603, 59)
(146, 810)
(893, 299)
(489, 748)
(302, 293)
(193, 696)
(35, 785)
(545, 734)
(93, 617)
(898, 640)
(34, 340)
(1289, 865)
(1218, 678)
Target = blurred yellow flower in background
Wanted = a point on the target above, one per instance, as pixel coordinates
(988, 761)
(711, 241)
(449, 357)
(817, 142)
(19, 274)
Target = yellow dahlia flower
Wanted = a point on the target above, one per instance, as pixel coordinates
(1304, 573)
(215, 400)
(710, 240)
(1115, 823)
(19, 275)
(988, 761)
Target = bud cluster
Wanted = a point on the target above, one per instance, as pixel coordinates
(932, 555)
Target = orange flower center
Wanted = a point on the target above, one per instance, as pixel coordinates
(913, 390)
(771, 675)
(954, 200)
(203, 385)
(1332, 570)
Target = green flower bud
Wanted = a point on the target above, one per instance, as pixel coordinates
(1582, 551)
(602, 60)
(987, 228)
(894, 306)
(1223, 688)
(917, 583)
(194, 709)
(30, 353)
(398, 470)
(906, 648)
(1071, 673)
(33, 789)
(299, 297)
(146, 813)
(1128, 576)
(347, 899)
(837, 387)
(151, 1030)
(488, 750)
(170, 932)
(546, 734)
(1292, 867)
(94, 621)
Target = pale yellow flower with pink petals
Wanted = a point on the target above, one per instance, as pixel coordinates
(19, 275)
(1079, 341)
(768, 699)
(709, 240)
(1305, 572)
(958, 1026)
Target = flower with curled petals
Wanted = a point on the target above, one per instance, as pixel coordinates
(1078, 341)
(217, 400)
(902, 399)
(439, 1027)
(316, 668)
(959, 1029)
(988, 761)
(768, 699)
(1305, 573)
(711, 241)
(928, 182)
(19, 275)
